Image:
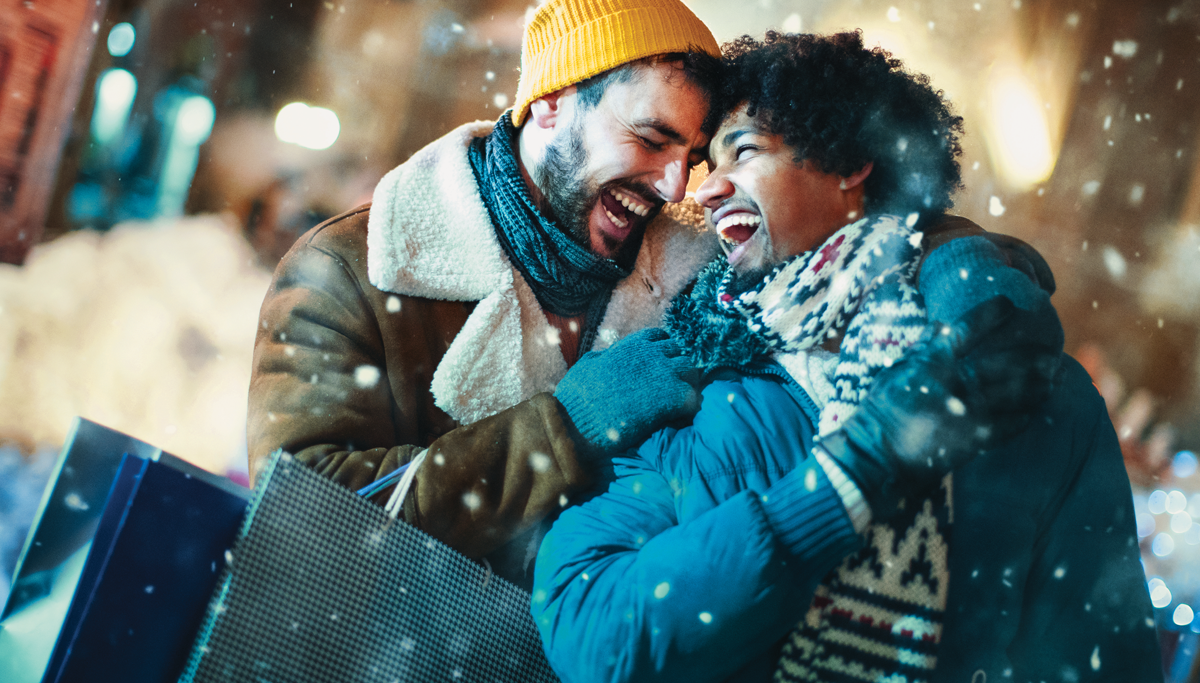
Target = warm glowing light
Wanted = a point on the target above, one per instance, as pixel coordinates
(120, 39)
(311, 127)
(1019, 135)
(114, 98)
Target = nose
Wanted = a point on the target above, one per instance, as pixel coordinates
(715, 189)
(673, 184)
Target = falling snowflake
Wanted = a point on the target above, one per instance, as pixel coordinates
(1125, 48)
(540, 462)
(995, 206)
(366, 376)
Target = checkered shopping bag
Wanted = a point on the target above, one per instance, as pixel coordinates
(323, 585)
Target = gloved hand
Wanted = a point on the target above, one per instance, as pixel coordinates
(617, 397)
(967, 387)
(354, 469)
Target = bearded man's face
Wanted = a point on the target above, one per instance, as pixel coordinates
(611, 168)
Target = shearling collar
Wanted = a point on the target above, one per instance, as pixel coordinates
(429, 235)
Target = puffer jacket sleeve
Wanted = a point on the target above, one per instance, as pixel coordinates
(322, 389)
(624, 590)
(964, 272)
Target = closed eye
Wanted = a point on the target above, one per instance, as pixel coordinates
(651, 144)
(744, 148)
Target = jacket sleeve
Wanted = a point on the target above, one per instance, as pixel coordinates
(1086, 607)
(626, 591)
(320, 389)
(962, 273)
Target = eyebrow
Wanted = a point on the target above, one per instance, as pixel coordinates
(662, 128)
(729, 138)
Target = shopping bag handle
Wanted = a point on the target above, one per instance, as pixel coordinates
(396, 502)
(381, 484)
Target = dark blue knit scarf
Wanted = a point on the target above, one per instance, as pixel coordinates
(566, 277)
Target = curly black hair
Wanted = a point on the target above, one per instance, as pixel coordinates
(841, 106)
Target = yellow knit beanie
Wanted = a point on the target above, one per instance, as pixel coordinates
(568, 41)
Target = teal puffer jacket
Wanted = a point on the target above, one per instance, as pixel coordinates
(704, 552)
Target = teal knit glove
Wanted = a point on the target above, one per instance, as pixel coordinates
(617, 397)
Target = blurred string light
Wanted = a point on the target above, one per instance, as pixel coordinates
(311, 127)
(1183, 615)
(1163, 544)
(114, 98)
(1157, 502)
(1181, 522)
(1018, 136)
(1145, 524)
(120, 39)
(1176, 502)
(192, 125)
(1160, 595)
(1184, 464)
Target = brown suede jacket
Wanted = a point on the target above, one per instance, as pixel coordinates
(341, 380)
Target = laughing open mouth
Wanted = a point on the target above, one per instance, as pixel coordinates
(629, 205)
(736, 228)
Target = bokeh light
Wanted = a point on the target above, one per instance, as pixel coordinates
(120, 39)
(1163, 544)
(1160, 595)
(1176, 502)
(1019, 140)
(114, 98)
(1184, 464)
(310, 127)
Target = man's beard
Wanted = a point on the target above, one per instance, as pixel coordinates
(562, 177)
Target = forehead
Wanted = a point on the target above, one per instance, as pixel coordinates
(662, 91)
(735, 125)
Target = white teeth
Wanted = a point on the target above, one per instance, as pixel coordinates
(634, 206)
(616, 221)
(738, 219)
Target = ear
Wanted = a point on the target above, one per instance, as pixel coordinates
(546, 112)
(855, 179)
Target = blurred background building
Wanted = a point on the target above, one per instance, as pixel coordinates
(158, 157)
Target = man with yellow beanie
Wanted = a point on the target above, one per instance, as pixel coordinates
(431, 327)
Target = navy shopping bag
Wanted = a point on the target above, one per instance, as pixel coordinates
(94, 508)
(154, 561)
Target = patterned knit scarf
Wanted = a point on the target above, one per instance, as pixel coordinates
(566, 277)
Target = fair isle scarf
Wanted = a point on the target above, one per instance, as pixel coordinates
(878, 616)
(861, 281)
(566, 277)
